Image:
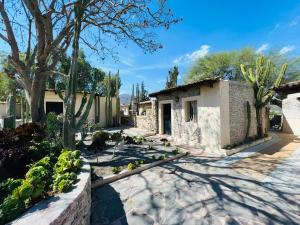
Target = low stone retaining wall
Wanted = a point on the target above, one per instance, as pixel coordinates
(69, 208)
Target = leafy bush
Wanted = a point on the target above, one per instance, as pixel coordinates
(68, 161)
(167, 144)
(131, 166)
(161, 157)
(23, 192)
(15, 149)
(117, 136)
(175, 151)
(63, 182)
(153, 157)
(116, 169)
(99, 140)
(18, 195)
(141, 162)
(7, 186)
(138, 140)
(53, 125)
(67, 166)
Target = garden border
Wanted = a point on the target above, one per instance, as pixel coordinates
(73, 207)
(126, 173)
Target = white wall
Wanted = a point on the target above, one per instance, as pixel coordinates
(50, 96)
(291, 114)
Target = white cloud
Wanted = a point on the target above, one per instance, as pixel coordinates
(190, 57)
(294, 22)
(262, 48)
(127, 62)
(286, 49)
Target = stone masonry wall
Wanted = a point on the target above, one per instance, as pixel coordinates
(239, 94)
(205, 131)
(148, 121)
(72, 208)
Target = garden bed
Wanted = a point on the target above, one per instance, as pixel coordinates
(119, 159)
(65, 208)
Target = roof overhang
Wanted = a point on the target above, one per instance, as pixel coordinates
(289, 88)
(207, 82)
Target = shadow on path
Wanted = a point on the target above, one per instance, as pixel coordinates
(107, 207)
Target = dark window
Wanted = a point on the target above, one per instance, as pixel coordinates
(57, 107)
(191, 111)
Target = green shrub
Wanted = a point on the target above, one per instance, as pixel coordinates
(131, 166)
(167, 144)
(63, 182)
(141, 162)
(66, 167)
(175, 151)
(11, 208)
(68, 161)
(161, 157)
(139, 140)
(53, 125)
(7, 186)
(153, 157)
(116, 169)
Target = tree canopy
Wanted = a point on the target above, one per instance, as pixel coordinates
(87, 74)
(227, 65)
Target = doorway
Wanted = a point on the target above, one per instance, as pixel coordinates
(57, 107)
(167, 125)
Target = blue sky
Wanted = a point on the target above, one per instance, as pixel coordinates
(207, 27)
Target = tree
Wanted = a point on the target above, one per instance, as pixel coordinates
(47, 29)
(227, 65)
(263, 90)
(172, 78)
(137, 96)
(4, 86)
(131, 106)
(87, 74)
(144, 94)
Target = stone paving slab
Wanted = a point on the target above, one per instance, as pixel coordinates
(190, 191)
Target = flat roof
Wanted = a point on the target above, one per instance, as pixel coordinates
(289, 88)
(207, 81)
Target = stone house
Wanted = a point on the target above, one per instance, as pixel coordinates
(207, 114)
(291, 107)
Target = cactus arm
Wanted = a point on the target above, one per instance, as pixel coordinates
(83, 102)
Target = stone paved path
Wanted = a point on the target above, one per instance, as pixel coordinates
(196, 190)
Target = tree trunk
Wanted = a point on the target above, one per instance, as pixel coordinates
(37, 98)
(259, 122)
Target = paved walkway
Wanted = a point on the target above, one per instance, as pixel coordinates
(196, 190)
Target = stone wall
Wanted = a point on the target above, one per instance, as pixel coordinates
(239, 94)
(147, 121)
(291, 114)
(69, 208)
(203, 132)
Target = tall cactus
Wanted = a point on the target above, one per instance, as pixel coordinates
(72, 120)
(108, 104)
(132, 99)
(11, 105)
(117, 99)
(263, 92)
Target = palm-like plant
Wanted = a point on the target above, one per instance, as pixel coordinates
(260, 82)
